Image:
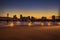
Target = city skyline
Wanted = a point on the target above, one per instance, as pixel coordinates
(8, 15)
(36, 8)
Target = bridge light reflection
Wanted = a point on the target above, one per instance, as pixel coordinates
(29, 24)
(11, 24)
(49, 24)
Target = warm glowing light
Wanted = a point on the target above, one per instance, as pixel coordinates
(29, 24)
(11, 25)
(49, 24)
(58, 23)
(42, 24)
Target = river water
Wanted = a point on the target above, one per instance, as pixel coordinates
(29, 31)
(17, 23)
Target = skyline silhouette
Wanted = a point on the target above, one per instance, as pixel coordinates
(29, 18)
(36, 8)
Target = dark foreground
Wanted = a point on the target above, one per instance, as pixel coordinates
(30, 33)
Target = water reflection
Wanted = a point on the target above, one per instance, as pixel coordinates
(35, 23)
(29, 24)
(15, 23)
(11, 24)
(58, 23)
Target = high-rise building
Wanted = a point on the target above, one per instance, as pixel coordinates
(7, 14)
(21, 16)
(44, 18)
(53, 18)
(15, 17)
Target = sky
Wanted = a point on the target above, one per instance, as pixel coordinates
(36, 8)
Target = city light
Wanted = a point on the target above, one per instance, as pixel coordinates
(49, 24)
(11, 24)
(42, 24)
(29, 24)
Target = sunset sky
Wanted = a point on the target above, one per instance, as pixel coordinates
(36, 8)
